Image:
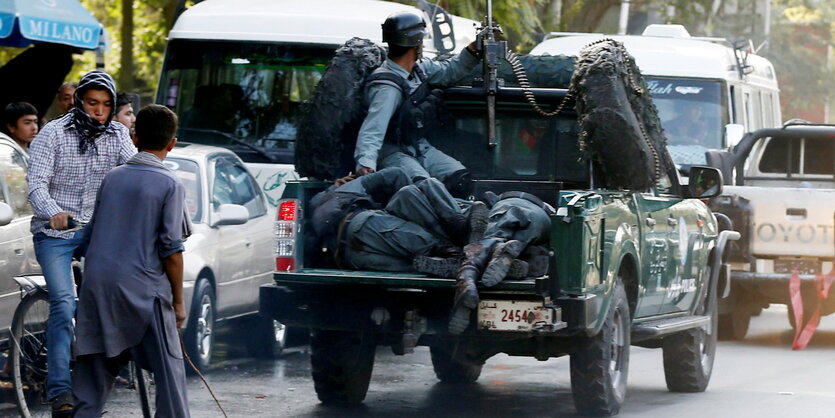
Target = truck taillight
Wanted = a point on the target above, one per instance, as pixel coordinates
(285, 235)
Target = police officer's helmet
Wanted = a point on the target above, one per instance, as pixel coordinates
(404, 29)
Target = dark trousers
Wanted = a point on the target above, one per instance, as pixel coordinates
(94, 374)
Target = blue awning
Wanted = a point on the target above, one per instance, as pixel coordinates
(67, 22)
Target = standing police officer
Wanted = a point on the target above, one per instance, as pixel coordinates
(402, 107)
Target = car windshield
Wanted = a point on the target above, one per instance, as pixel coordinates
(242, 95)
(528, 146)
(693, 113)
(189, 173)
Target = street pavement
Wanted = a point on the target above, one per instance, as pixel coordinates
(758, 377)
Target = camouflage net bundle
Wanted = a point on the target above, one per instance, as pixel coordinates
(621, 130)
(333, 115)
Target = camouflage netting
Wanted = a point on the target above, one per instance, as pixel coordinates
(546, 71)
(331, 118)
(621, 130)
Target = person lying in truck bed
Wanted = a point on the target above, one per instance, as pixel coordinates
(382, 221)
(517, 221)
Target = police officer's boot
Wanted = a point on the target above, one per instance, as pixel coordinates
(468, 227)
(466, 294)
(501, 261)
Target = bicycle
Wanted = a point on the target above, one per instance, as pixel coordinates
(28, 352)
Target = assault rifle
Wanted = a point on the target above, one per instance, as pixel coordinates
(492, 51)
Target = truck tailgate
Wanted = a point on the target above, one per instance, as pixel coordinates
(790, 221)
(383, 279)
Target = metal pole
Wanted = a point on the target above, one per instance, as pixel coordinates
(624, 17)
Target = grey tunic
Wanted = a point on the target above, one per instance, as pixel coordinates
(138, 221)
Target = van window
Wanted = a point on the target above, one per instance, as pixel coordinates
(746, 103)
(768, 110)
(692, 114)
(244, 93)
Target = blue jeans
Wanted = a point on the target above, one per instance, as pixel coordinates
(55, 257)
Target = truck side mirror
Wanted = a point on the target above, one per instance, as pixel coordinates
(705, 182)
(733, 134)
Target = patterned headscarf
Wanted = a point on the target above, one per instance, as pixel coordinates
(88, 128)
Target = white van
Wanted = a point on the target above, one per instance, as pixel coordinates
(237, 71)
(692, 77)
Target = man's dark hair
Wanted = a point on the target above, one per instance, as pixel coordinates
(122, 99)
(397, 51)
(15, 111)
(155, 126)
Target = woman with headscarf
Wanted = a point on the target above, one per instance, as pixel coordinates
(68, 160)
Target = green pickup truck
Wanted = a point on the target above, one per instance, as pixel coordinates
(626, 268)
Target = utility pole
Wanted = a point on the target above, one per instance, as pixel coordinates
(623, 22)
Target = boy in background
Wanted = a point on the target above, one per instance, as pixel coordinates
(131, 300)
(20, 122)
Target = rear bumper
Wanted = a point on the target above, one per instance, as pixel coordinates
(343, 300)
(774, 287)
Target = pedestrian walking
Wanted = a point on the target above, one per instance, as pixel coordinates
(68, 160)
(134, 275)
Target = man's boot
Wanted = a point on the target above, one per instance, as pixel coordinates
(466, 294)
(448, 267)
(438, 266)
(477, 216)
(500, 262)
(467, 228)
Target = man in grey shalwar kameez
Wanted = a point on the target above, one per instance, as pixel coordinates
(131, 300)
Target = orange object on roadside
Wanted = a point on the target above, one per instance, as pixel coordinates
(803, 334)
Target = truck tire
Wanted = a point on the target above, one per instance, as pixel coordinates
(263, 337)
(689, 355)
(733, 326)
(621, 130)
(341, 363)
(454, 370)
(199, 332)
(600, 364)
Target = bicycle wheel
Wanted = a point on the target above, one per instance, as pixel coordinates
(28, 354)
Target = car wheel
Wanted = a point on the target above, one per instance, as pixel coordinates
(600, 364)
(341, 363)
(454, 370)
(265, 337)
(689, 355)
(199, 334)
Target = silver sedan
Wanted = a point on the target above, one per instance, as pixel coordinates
(230, 254)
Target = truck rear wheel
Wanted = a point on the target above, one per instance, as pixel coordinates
(734, 325)
(600, 364)
(341, 363)
(454, 370)
(689, 355)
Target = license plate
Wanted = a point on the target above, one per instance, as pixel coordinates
(788, 266)
(512, 315)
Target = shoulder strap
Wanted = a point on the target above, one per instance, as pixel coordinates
(397, 80)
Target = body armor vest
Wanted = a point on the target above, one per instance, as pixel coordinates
(417, 113)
